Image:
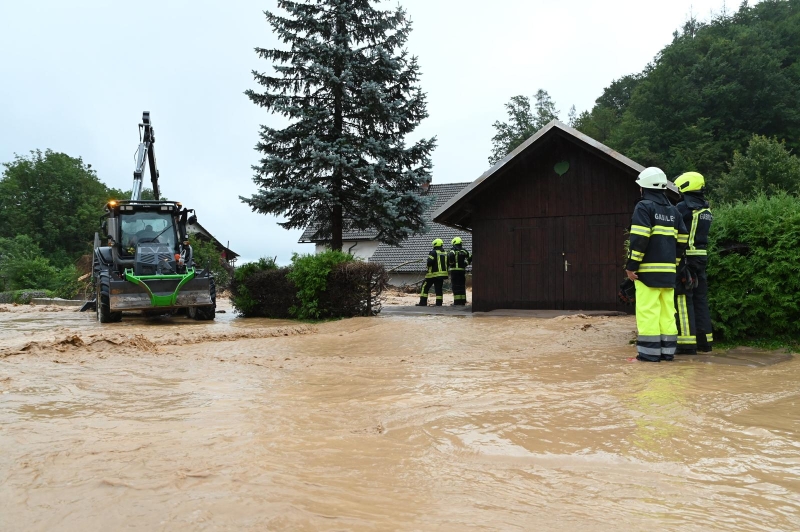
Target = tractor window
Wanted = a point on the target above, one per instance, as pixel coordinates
(143, 227)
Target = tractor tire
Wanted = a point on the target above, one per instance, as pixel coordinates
(103, 303)
(208, 312)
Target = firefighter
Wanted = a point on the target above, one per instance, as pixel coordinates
(437, 273)
(691, 301)
(657, 240)
(458, 259)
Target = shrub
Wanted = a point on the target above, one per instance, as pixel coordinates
(206, 254)
(272, 293)
(354, 289)
(23, 297)
(754, 268)
(309, 273)
(241, 299)
(334, 285)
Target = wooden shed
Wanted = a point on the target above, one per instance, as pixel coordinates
(548, 224)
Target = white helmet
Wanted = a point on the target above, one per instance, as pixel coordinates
(652, 178)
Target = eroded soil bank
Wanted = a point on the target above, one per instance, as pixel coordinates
(415, 423)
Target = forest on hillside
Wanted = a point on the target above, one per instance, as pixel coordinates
(708, 93)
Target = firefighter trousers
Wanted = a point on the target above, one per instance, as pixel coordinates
(437, 283)
(702, 316)
(458, 278)
(684, 307)
(655, 322)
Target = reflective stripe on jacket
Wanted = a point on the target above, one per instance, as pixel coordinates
(458, 259)
(437, 264)
(697, 217)
(658, 238)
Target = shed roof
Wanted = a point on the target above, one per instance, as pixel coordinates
(416, 247)
(457, 212)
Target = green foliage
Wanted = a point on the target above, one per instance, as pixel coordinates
(766, 166)
(55, 199)
(708, 92)
(754, 269)
(522, 123)
(206, 254)
(22, 266)
(350, 93)
(608, 110)
(310, 275)
(271, 294)
(332, 285)
(22, 297)
(242, 300)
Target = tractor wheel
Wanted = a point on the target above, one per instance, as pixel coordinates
(207, 312)
(103, 303)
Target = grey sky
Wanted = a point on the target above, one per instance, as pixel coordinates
(75, 77)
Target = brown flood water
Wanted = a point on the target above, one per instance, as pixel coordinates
(419, 423)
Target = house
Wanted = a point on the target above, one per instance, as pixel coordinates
(194, 228)
(549, 223)
(406, 262)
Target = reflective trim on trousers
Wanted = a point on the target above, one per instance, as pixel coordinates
(687, 340)
(669, 344)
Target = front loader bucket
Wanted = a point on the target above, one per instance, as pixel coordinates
(163, 292)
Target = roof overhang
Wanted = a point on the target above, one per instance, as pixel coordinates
(457, 212)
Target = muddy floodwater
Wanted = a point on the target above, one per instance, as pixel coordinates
(389, 423)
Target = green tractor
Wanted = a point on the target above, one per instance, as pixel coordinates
(146, 263)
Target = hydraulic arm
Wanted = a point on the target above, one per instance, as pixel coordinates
(145, 154)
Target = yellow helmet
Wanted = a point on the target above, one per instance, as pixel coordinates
(456, 241)
(690, 182)
(437, 243)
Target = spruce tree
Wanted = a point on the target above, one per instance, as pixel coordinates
(349, 90)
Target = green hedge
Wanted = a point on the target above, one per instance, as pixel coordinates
(242, 300)
(754, 268)
(326, 285)
(23, 297)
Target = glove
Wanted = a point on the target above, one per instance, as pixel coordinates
(695, 277)
(686, 278)
(627, 292)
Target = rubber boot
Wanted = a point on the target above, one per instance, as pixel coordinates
(423, 302)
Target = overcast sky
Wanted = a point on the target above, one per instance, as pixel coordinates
(75, 77)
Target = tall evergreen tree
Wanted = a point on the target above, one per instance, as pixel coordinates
(350, 92)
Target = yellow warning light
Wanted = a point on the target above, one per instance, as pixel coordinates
(112, 203)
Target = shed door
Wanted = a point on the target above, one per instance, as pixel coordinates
(568, 262)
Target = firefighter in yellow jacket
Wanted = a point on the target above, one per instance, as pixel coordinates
(691, 302)
(458, 259)
(437, 273)
(658, 239)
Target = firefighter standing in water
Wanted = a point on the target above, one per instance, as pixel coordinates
(458, 259)
(658, 238)
(694, 319)
(437, 273)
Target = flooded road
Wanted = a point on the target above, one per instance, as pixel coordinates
(393, 423)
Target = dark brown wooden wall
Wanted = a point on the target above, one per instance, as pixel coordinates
(532, 220)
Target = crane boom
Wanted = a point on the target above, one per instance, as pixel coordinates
(145, 154)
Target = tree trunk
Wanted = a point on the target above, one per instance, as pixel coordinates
(336, 227)
(338, 130)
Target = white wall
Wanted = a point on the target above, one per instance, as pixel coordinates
(400, 279)
(363, 248)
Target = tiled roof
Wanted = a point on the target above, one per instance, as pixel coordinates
(418, 246)
(309, 235)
